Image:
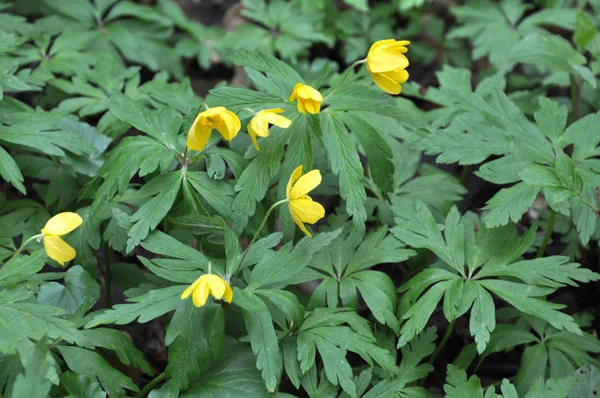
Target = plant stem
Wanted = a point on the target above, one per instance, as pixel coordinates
(150, 386)
(360, 61)
(440, 347)
(260, 227)
(20, 249)
(575, 111)
(548, 234)
(463, 174)
(108, 278)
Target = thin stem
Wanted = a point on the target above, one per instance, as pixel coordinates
(108, 278)
(360, 61)
(463, 174)
(440, 347)
(548, 234)
(575, 111)
(20, 249)
(150, 386)
(260, 227)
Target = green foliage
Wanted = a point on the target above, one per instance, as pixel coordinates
(474, 193)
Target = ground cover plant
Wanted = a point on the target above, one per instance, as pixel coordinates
(299, 198)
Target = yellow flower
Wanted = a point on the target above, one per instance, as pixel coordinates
(302, 207)
(259, 125)
(59, 225)
(309, 99)
(387, 64)
(205, 285)
(226, 122)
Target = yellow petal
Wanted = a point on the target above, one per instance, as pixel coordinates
(383, 61)
(228, 124)
(199, 133)
(305, 184)
(277, 120)
(252, 135)
(385, 83)
(295, 91)
(307, 92)
(216, 285)
(228, 293)
(201, 292)
(301, 107)
(62, 224)
(260, 125)
(190, 289)
(210, 112)
(307, 210)
(381, 43)
(295, 175)
(298, 221)
(312, 106)
(57, 249)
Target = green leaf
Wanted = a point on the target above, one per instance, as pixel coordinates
(162, 125)
(10, 171)
(277, 268)
(345, 163)
(418, 315)
(533, 366)
(377, 150)
(552, 388)
(144, 308)
(90, 364)
(362, 5)
(540, 176)
(81, 386)
(483, 319)
(587, 382)
(417, 227)
(195, 340)
(419, 348)
(509, 204)
(121, 344)
(20, 319)
(585, 31)
(264, 344)
(218, 194)
(234, 375)
(22, 267)
(524, 298)
(255, 180)
(80, 288)
(165, 187)
(553, 271)
(134, 155)
(457, 385)
(32, 382)
(552, 51)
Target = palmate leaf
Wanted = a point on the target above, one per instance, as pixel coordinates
(322, 331)
(490, 255)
